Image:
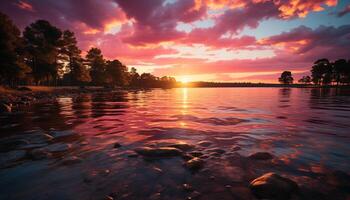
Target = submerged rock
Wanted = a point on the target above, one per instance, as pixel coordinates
(5, 108)
(205, 143)
(273, 186)
(11, 143)
(58, 147)
(158, 152)
(261, 156)
(182, 146)
(217, 150)
(235, 148)
(196, 153)
(187, 187)
(71, 160)
(59, 134)
(10, 157)
(194, 164)
(117, 145)
(38, 154)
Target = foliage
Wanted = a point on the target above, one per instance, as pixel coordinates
(305, 80)
(286, 78)
(43, 44)
(12, 65)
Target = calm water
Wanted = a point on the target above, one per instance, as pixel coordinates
(307, 131)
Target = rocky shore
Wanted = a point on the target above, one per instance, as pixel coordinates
(13, 100)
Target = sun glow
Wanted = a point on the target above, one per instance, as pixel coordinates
(185, 80)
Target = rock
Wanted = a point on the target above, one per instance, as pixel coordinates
(71, 160)
(261, 156)
(187, 156)
(205, 143)
(38, 154)
(58, 147)
(117, 145)
(182, 146)
(194, 195)
(187, 187)
(5, 108)
(217, 150)
(33, 137)
(339, 179)
(60, 134)
(194, 164)
(108, 198)
(155, 196)
(273, 186)
(9, 157)
(235, 148)
(32, 146)
(11, 143)
(158, 152)
(196, 153)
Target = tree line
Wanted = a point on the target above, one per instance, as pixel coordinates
(45, 55)
(323, 72)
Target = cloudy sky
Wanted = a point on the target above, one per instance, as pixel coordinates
(209, 40)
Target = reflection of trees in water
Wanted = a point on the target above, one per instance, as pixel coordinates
(108, 104)
(46, 116)
(285, 92)
(321, 98)
(284, 97)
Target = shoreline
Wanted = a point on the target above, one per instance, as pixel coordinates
(17, 99)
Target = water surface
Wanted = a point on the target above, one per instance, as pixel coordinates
(307, 131)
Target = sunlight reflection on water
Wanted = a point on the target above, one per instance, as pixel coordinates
(306, 129)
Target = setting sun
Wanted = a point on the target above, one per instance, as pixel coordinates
(185, 80)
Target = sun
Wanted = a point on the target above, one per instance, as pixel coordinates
(185, 80)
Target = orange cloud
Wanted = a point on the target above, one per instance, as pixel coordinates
(301, 8)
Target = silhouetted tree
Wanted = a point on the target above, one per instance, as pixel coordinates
(321, 72)
(116, 73)
(12, 66)
(134, 77)
(76, 70)
(341, 70)
(286, 78)
(305, 80)
(148, 80)
(43, 44)
(97, 64)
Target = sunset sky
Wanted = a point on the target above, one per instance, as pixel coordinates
(209, 40)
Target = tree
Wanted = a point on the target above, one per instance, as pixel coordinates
(134, 77)
(12, 66)
(43, 44)
(305, 80)
(75, 68)
(97, 66)
(341, 71)
(148, 80)
(286, 78)
(322, 72)
(116, 73)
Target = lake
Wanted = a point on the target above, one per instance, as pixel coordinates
(306, 130)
